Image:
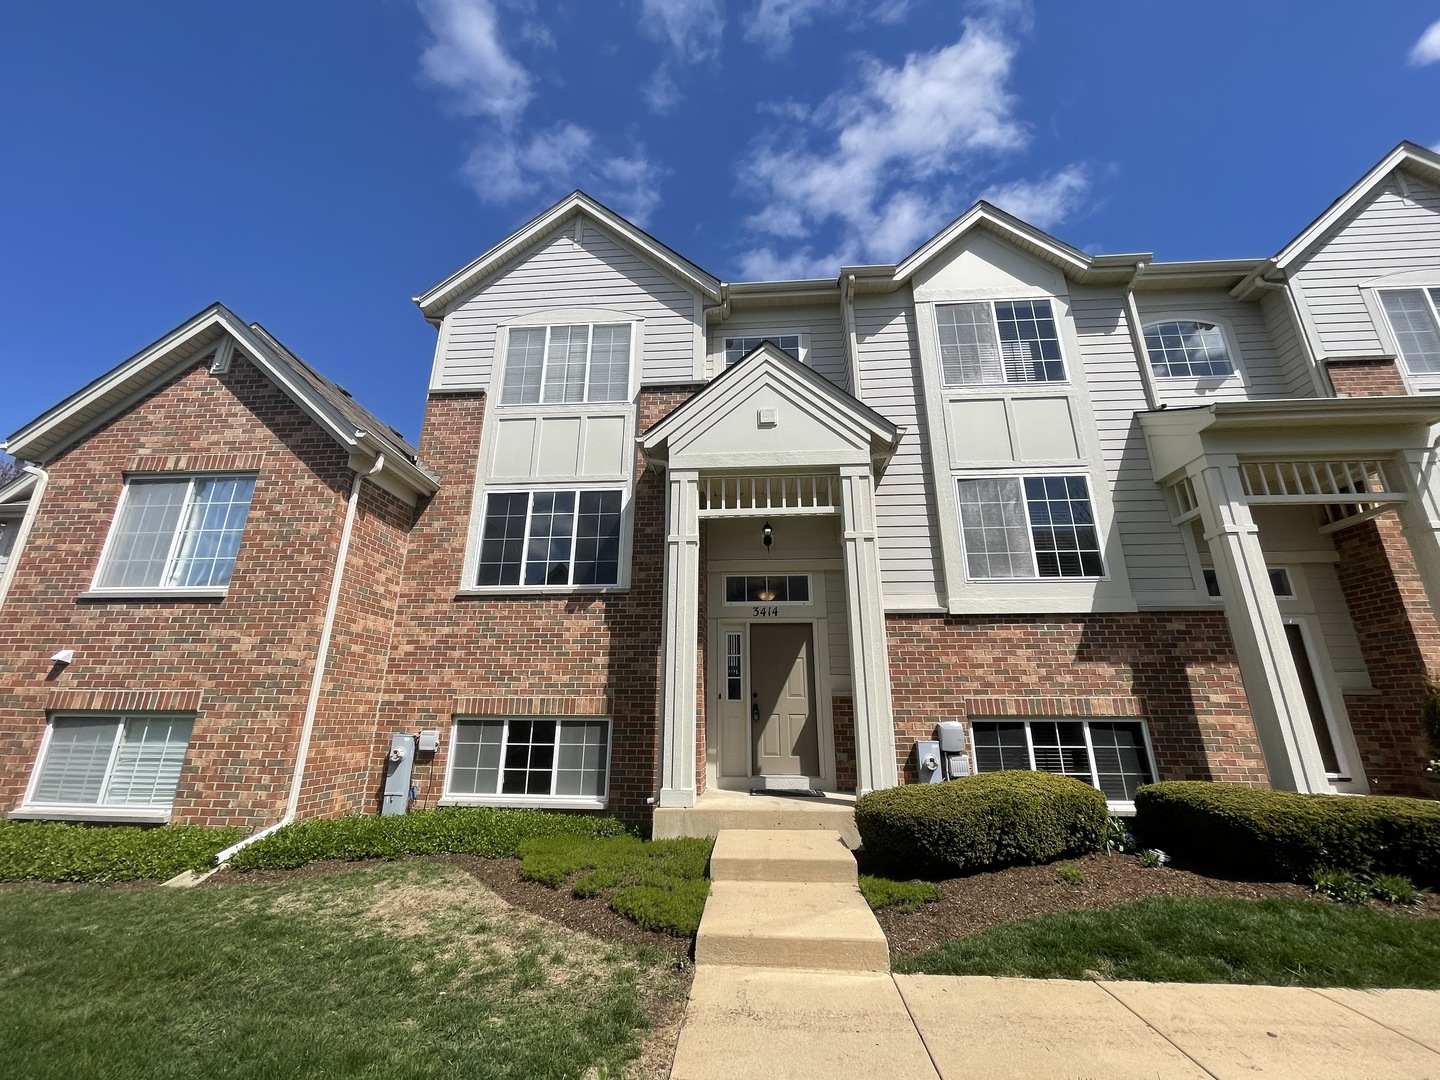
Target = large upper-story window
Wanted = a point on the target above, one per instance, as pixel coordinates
(1188, 347)
(570, 364)
(176, 533)
(1029, 527)
(550, 537)
(1000, 341)
(1414, 316)
(737, 348)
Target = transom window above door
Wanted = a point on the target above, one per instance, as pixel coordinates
(737, 348)
(567, 364)
(999, 341)
(767, 589)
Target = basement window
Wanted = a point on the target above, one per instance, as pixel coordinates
(125, 767)
(1112, 755)
(530, 761)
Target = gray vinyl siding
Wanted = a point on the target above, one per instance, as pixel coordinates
(837, 622)
(1333, 615)
(559, 273)
(1263, 371)
(1155, 555)
(821, 323)
(904, 503)
(1387, 234)
(1290, 358)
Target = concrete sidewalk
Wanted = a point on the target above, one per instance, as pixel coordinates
(789, 984)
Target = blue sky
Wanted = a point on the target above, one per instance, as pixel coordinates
(315, 164)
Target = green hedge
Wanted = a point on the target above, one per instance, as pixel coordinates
(52, 851)
(1281, 834)
(490, 832)
(979, 823)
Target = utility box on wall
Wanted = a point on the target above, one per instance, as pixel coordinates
(954, 761)
(399, 765)
(927, 760)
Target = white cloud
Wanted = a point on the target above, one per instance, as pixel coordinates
(772, 23)
(661, 92)
(1427, 49)
(468, 59)
(1046, 201)
(692, 28)
(890, 12)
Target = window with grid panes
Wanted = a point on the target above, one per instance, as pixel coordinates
(1414, 316)
(1028, 527)
(530, 758)
(1107, 754)
(550, 537)
(567, 364)
(1181, 347)
(737, 348)
(176, 532)
(111, 761)
(999, 341)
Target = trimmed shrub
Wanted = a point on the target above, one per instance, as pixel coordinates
(54, 851)
(980, 823)
(490, 832)
(1256, 832)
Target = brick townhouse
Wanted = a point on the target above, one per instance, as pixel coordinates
(669, 539)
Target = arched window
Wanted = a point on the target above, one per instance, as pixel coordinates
(1188, 347)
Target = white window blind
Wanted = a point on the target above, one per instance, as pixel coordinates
(177, 533)
(546, 365)
(1414, 316)
(112, 761)
(1005, 341)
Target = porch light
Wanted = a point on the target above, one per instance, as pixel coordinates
(767, 534)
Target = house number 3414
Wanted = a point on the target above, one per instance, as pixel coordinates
(758, 612)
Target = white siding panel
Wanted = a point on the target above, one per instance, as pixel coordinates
(558, 273)
(1264, 374)
(1155, 554)
(1333, 614)
(837, 624)
(905, 504)
(821, 323)
(1290, 357)
(1389, 234)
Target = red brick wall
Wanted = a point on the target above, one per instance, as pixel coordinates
(1176, 669)
(1400, 642)
(1365, 377)
(246, 659)
(597, 646)
(842, 717)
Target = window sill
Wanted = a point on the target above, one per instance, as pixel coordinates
(500, 591)
(549, 802)
(140, 815)
(155, 594)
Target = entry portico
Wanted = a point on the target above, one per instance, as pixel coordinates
(771, 441)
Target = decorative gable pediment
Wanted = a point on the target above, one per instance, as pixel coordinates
(770, 411)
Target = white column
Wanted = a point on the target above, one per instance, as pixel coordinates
(869, 656)
(1277, 702)
(1420, 516)
(678, 670)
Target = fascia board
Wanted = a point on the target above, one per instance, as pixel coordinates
(435, 301)
(1070, 260)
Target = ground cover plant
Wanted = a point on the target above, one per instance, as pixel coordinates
(979, 822)
(395, 971)
(1185, 939)
(54, 851)
(658, 884)
(907, 896)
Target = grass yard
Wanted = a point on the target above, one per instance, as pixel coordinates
(394, 970)
(1189, 939)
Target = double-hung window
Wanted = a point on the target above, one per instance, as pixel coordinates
(567, 364)
(1029, 527)
(1108, 754)
(530, 759)
(737, 348)
(1414, 316)
(119, 764)
(554, 537)
(1188, 347)
(176, 533)
(1001, 341)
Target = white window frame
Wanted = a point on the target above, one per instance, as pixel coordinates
(192, 479)
(1393, 341)
(803, 349)
(724, 590)
(1237, 363)
(1020, 478)
(547, 321)
(1055, 317)
(96, 811)
(1123, 806)
(552, 801)
(622, 571)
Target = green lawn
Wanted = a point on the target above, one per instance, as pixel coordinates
(1170, 939)
(395, 971)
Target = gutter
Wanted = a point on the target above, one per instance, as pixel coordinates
(42, 478)
(317, 680)
(1137, 341)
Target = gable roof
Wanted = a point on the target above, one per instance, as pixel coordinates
(326, 402)
(435, 300)
(17, 492)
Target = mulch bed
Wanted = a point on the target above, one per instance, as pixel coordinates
(980, 900)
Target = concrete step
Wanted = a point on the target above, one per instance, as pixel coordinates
(734, 810)
(814, 925)
(769, 855)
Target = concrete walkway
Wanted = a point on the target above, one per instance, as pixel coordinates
(788, 984)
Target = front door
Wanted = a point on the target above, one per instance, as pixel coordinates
(783, 722)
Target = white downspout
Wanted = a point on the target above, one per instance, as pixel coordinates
(852, 341)
(1137, 342)
(41, 479)
(317, 680)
